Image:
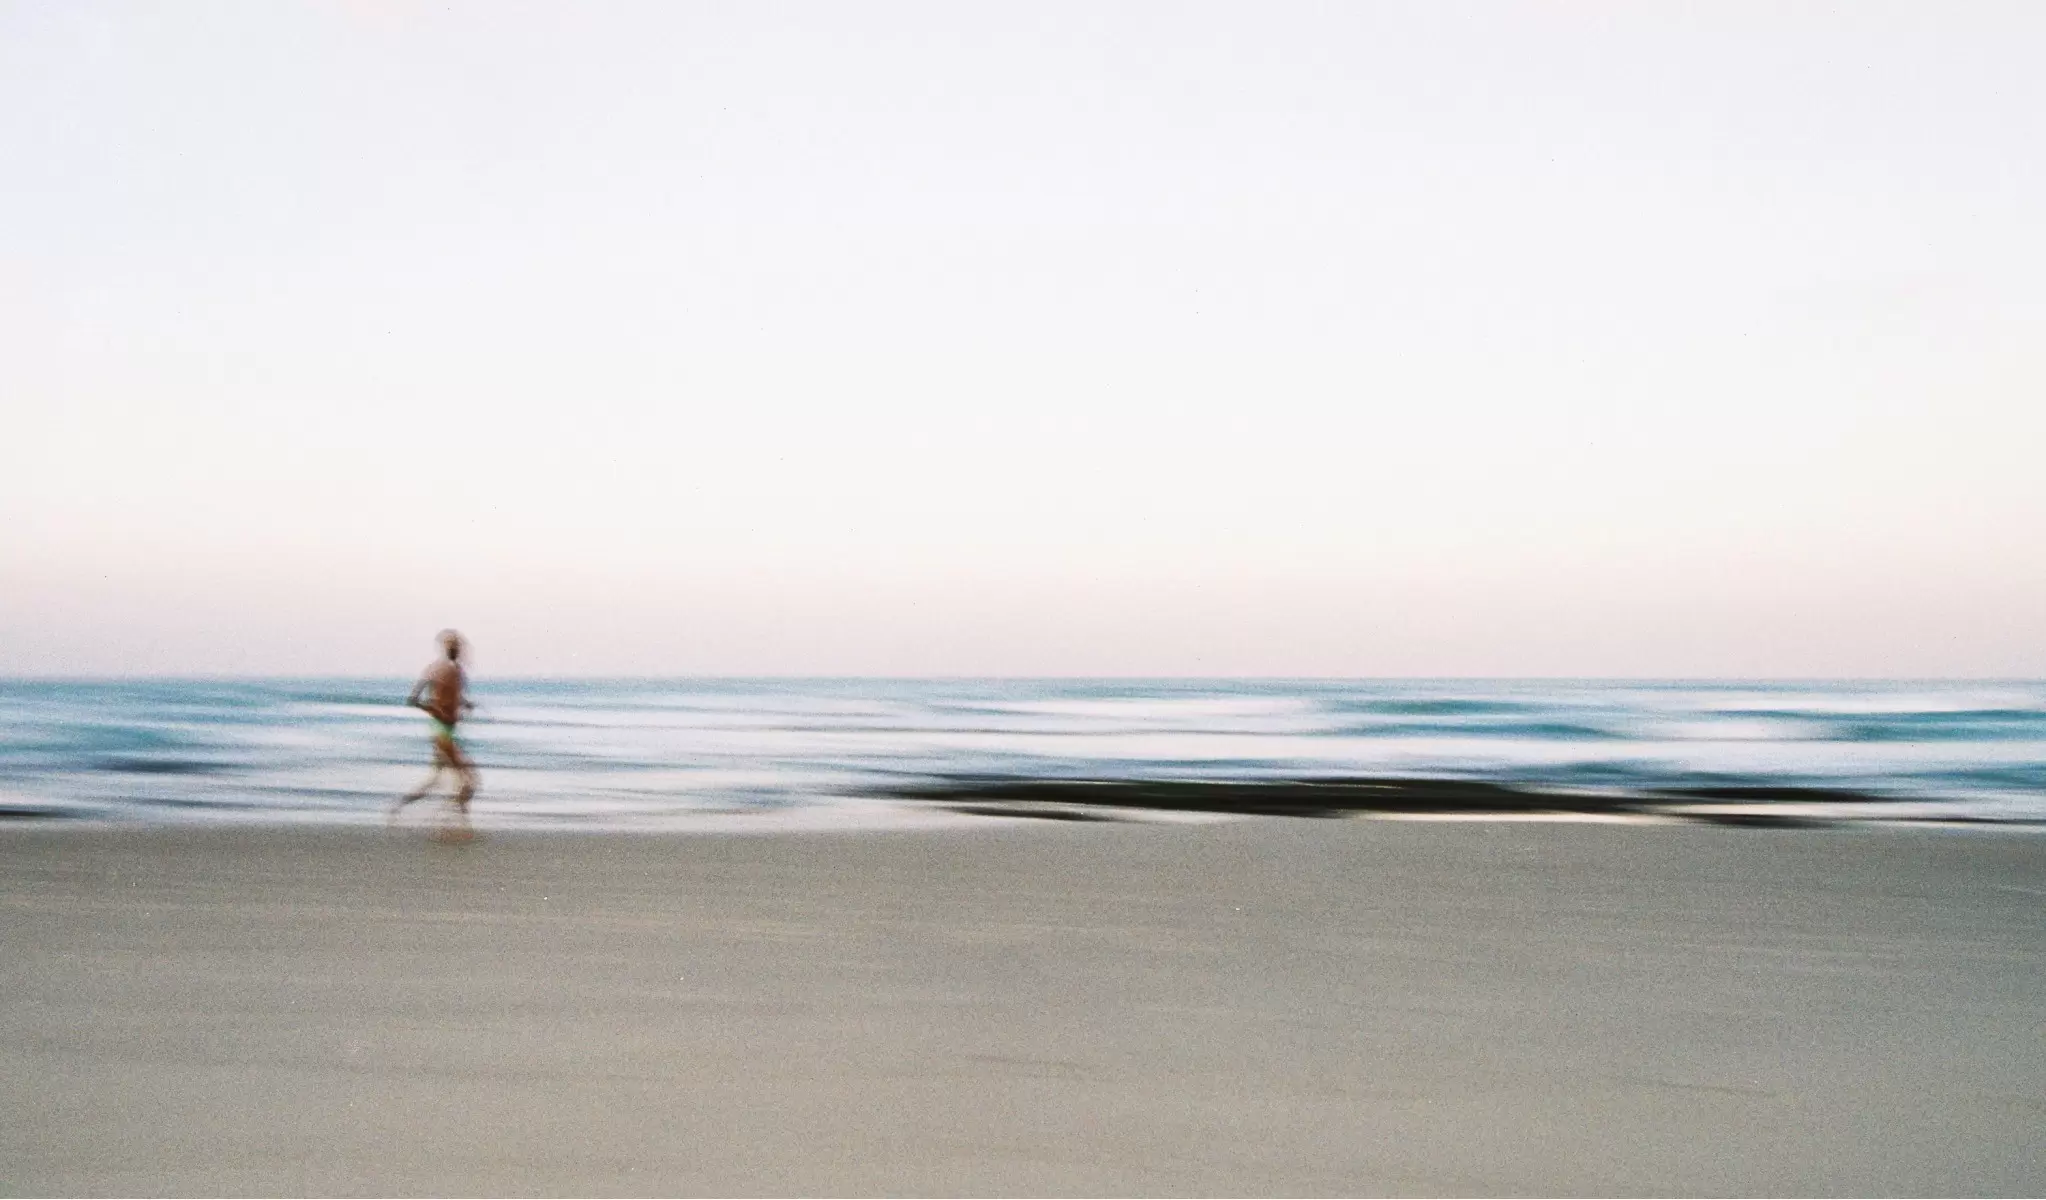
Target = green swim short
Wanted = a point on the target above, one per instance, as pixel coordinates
(441, 729)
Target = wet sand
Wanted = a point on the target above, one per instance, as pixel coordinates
(1259, 1006)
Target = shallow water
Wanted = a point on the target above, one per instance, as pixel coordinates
(665, 753)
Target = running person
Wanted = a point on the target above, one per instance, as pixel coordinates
(442, 692)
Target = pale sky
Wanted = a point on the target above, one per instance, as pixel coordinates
(1564, 338)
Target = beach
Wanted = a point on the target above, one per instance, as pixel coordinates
(1253, 1006)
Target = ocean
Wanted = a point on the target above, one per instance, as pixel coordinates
(689, 753)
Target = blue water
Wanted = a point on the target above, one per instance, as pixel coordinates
(670, 753)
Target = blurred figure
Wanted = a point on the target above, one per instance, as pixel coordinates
(442, 693)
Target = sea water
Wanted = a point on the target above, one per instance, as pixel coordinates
(673, 753)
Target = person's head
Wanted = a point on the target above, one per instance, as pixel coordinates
(451, 644)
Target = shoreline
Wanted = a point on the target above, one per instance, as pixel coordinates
(944, 802)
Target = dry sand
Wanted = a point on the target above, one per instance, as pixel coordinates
(1265, 1006)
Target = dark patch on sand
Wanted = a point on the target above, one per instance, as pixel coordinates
(1759, 820)
(1283, 797)
(1033, 812)
(1053, 799)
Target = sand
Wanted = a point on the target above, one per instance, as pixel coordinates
(1261, 1006)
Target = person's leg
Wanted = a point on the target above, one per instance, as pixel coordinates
(440, 764)
(465, 774)
(457, 828)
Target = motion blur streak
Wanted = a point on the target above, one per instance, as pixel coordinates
(668, 753)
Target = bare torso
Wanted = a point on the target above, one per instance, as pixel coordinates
(440, 691)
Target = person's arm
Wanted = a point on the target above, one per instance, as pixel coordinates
(412, 700)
